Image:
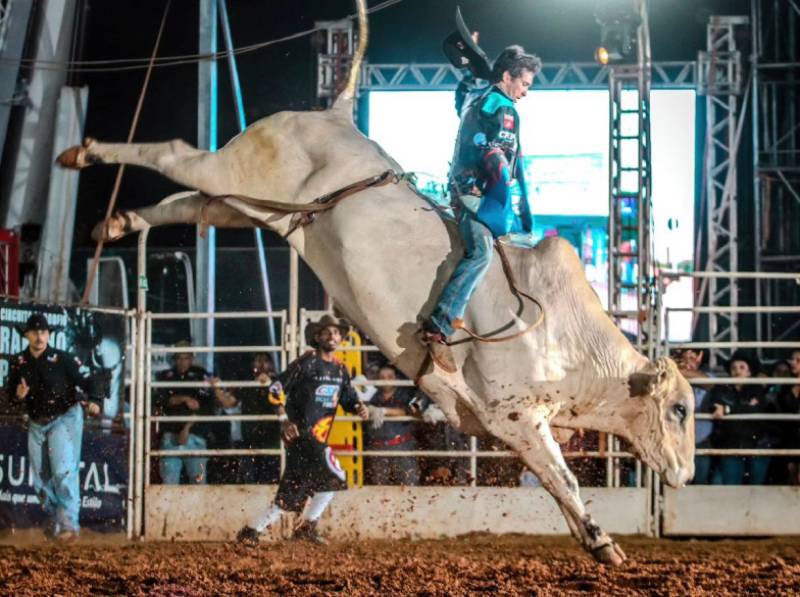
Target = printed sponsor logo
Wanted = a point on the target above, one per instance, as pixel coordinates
(327, 395)
(322, 428)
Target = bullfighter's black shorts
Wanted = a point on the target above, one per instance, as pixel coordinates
(311, 467)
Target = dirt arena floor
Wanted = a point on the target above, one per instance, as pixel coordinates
(478, 564)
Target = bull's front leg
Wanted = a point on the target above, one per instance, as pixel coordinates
(529, 435)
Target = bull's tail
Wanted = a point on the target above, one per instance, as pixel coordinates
(344, 102)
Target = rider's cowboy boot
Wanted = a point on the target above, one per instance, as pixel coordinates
(440, 352)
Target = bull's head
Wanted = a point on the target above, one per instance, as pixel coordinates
(662, 430)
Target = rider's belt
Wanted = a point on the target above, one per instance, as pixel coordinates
(395, 441)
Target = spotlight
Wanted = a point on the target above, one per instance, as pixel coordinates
(619, 21)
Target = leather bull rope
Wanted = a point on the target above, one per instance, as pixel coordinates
(520, 294)
(307, 212)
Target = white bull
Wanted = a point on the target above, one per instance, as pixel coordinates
(383, 255)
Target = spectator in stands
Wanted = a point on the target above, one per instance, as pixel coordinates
(788, 402)
(363, 389)
(184, 402)
(734, 400)
(690, 363)
(260, 434)
(437, 434)
(394, 436)
(773, 431)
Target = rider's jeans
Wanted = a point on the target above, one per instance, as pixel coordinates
(478, 249)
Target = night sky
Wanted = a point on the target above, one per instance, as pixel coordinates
(281, 77)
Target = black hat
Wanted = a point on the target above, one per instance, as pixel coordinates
(36, 322)
(314, 328)
(462, 51)
(748, 357)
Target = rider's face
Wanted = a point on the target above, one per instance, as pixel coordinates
(517, 87)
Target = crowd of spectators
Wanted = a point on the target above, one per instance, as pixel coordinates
(384, 433)
(722, 431)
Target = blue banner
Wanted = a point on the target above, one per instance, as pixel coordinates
(103, 480)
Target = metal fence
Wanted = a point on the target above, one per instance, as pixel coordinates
(292, 343)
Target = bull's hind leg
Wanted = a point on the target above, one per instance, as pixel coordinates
(177, 160)
(189, 207)
(529, 435)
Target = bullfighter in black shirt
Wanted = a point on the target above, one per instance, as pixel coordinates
(44, 379)
(314, 385)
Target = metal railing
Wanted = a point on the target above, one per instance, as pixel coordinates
(292, 336)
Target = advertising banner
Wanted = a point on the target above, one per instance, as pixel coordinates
(98, 340)
(103, 480)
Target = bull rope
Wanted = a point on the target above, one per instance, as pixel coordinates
(121, 170)
(304, 213)
(516, 291)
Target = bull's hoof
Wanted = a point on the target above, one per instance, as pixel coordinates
(77, 156)
(117, 226)
(610, 554)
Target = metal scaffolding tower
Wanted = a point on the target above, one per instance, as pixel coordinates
(336, 48)
(776, 157)
(720, 80)
(631, 280)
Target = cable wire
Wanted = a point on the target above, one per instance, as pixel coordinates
(132, 64)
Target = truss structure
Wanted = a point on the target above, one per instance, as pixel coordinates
(339, 39)
(720, 70)
(5, 12)
(559, 75)
(631, 271)
(776, 166)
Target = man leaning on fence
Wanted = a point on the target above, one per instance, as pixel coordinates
(739, 399)
(391, 436)
(185, 402)
(44, 379)
(690, 364)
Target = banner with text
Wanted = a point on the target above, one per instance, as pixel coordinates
(103, 480)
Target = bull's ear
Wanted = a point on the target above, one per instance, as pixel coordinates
(641, 383)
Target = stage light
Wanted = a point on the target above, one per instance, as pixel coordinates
(619, 23)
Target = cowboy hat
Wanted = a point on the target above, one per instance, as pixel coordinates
(462, 51)
(315, 327)
(36, 322)
(747, 357)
